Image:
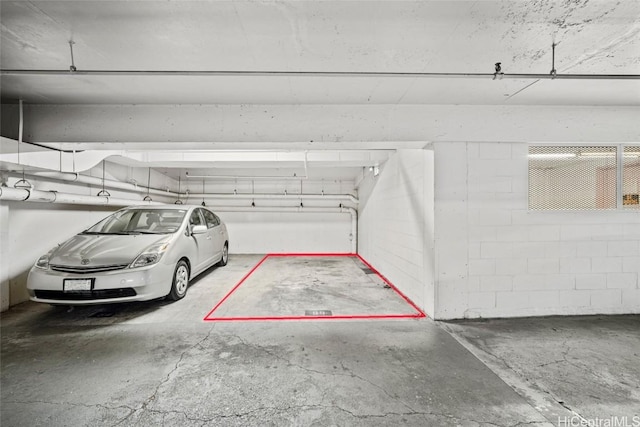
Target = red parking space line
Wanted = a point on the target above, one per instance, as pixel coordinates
(419, 314)
(236, 286)
(312, 254)
(338, 317)
(411, 303)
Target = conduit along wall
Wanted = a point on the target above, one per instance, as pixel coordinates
(71, 177)
(32, 195)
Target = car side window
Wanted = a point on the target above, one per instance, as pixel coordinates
(211, 219)
(195, 218)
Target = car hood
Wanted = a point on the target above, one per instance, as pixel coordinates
(89, 250)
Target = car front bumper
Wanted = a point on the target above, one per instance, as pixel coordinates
(129, 284)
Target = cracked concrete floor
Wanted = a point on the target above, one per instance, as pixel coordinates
(158, 363)
(588, 366)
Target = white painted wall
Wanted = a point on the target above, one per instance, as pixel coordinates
(396, 224)
(31, 230)
(495, 258)
(292, 232)
(281, 232)
(5, 259)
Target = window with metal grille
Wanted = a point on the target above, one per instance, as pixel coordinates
(631, 177)
(572, 177)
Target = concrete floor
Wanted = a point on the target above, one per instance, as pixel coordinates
(588, 366)
(161, 364)
(295, 285)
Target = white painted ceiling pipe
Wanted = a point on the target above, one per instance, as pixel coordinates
(108, 183)
(360, 74)
(30, 195)
(21, 194)
(91, 180)
(288, 196)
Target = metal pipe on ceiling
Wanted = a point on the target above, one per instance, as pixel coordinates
(26, 195)
(249, 177)
(90, 180)
(20, 126)
(125, 186)
(289, 196)
(31, 195)
(376, 74)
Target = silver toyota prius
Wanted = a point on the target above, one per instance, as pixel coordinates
(136, 254)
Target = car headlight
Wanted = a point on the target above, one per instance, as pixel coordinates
(149, 256)
(43, 261)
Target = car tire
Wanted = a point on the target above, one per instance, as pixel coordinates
(180, 281)
(225, 255)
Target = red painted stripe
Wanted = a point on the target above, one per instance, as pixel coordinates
(419, 314)
(319, 254)
(411, 303)
(339, 317)
(236, 286)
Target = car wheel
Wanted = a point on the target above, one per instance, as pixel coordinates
(225, 255)
(180, 281)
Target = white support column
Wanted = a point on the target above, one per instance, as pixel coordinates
(4, 257)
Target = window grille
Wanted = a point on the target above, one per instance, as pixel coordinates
(572, 177)
(631, 177)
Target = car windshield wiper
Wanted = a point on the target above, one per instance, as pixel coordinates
(123, 233)
(110, 233)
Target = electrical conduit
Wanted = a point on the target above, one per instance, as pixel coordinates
(31, 195)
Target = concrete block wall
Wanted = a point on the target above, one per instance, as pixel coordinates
(495, 258)
(395, 225)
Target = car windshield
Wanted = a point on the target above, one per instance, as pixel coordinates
(140, 221)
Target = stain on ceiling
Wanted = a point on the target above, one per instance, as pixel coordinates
(592, 37)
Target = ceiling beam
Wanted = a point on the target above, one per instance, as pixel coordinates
(373, 74)
(318, 127)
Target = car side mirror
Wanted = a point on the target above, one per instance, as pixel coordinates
(198, 229)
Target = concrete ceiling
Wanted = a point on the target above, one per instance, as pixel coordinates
(592, 37)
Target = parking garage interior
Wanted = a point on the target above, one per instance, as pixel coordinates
(433, 210)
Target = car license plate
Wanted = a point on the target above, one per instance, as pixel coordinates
(74, 285)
